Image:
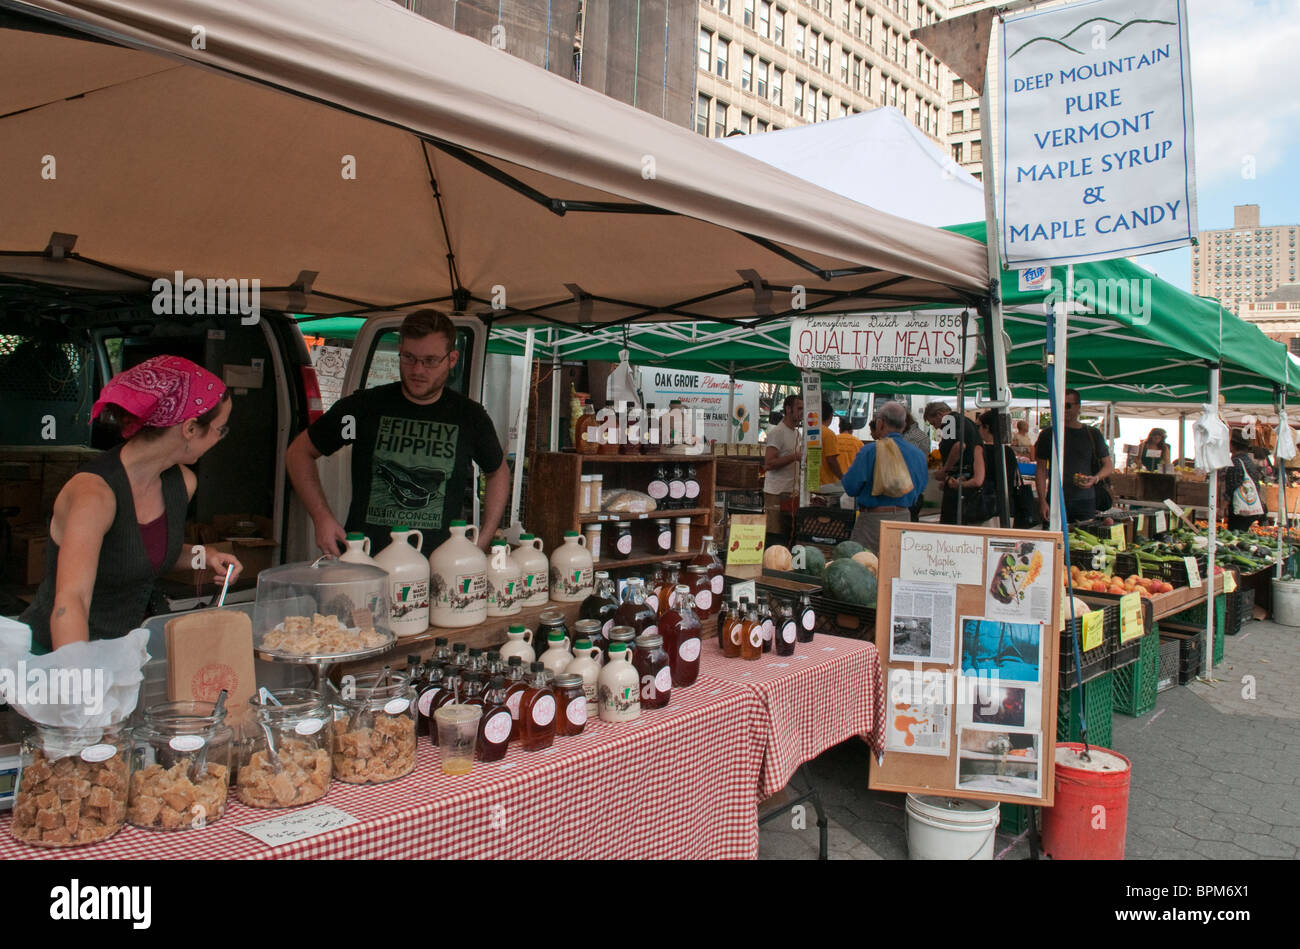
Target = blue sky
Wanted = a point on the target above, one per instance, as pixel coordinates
(1246, 104)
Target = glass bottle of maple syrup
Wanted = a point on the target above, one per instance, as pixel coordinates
(634, 611)
(586, 434)
(767, 624)
(735, 627)
(807, 619)
(537, 711)
(472, 693)
(601, 605)
(424, 699)
(652, 585)
(653, 670)
(697, 585)
(441, 650)
(724, 618)
(515, 686)
(751, 635)
(496, 724)
(667, 591)
(680, 629)
(786, 630)
(709, 559)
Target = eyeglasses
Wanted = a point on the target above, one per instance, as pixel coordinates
(222, 432)
(428, 362)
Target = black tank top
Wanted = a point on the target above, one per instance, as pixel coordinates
(125, 578)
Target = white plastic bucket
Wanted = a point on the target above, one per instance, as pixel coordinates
(1286, 602)
(945, 828)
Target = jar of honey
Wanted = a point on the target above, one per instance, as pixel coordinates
(570, 705)
(537, 711)
(653, 671)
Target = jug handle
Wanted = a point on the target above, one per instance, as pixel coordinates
(593, 654)
(365, 546)
(582, 540)
(528, 636)
(568, 645)
(471, 533)
(419, 538)
(536, 543)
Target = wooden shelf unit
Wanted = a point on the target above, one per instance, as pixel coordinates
(553, 494)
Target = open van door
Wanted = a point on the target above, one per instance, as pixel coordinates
(373, 362)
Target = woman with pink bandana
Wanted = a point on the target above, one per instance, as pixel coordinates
(119, 523)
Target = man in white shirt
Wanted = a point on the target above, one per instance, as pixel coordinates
(781, 461)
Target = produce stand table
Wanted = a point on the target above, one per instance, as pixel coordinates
(831, 689)
(1163, 604)
(678, 782)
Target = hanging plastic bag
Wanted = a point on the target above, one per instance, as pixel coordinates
(1285, 442)
(621, 385)
(891, 478)
(1211, 439)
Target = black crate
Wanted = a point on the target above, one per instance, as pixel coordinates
(837, 618)
(1189, 654)
(1175, 572)
(1167, 673)
(823, 525)
(1097, 661)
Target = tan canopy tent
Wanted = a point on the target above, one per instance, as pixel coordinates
(353, 156)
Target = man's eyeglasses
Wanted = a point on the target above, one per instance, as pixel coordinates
(428, 362)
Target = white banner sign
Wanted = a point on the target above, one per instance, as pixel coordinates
(705, 396)
(883, 342)
(1097, 157)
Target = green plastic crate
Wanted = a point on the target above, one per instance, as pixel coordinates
(1135, 684)
(1015, 819)
(1196, 617)
(1099, 695)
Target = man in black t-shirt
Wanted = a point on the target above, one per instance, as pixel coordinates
(1086, 461)
(961, 449)
(412, 444)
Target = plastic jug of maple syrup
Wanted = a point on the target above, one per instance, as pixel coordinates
(571, 570)
(408, 581)
(532, 563)
(458, 580)
(505, 582)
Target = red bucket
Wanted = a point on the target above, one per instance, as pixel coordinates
(1090, 816)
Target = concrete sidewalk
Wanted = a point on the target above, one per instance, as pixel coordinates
(1216, 771)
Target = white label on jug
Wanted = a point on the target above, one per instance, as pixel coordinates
(657, 490)
(512, 703)
(716, 584)
(676, 490)
(309, 726)
(756, 637)
(665, 540)
(184, 743)
(544, 710)
(788, 632)
(689, 649)
(704, 599)
(664, 680)
(769, 630)
(397, 706)
(497, 728)
(97, 753)
(467, 590)
(426, 701)
(409, 596)
(576, 712)
(625, 544)
(692, 489)
(809, 619)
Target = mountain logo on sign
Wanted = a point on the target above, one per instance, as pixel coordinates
(1095, 19)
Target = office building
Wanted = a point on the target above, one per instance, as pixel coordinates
(1244, 263)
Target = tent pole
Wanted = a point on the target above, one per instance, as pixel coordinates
(1279, 467)
(1003, 421)
(1182, 435)
(521, 429)
(1058, 428)
(731, 402)
(555, 391)
(1214, 529)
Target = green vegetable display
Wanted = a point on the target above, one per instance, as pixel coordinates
(850, 582)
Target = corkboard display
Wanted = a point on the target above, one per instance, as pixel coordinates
(981, 573)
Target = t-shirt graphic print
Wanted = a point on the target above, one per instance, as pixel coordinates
(412, 465)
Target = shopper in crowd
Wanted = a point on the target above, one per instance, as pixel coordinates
(119, 523)
(1154, 451)
(963, 462)
(831, 472)
(412, 444)
(1021, 441)
(891, 419)
(915, 434)
(991, 498)
(1086, 461)
(1233, 477)
(849, 444)
(781, 463)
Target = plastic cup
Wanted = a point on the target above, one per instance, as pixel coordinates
(457, 736)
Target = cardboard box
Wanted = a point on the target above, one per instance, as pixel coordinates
(26, 562)
(255, 555)
(228, 526)
(24, 495)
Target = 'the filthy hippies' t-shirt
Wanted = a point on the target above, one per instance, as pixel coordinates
(410, 463)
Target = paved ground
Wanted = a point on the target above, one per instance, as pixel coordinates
(1216, 771)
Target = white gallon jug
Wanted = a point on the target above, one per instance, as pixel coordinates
(458, 580)
(408, 581)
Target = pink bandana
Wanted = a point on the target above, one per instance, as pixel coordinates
(162, 391)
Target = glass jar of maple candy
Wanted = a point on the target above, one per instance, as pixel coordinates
(374, 729)
(72, 785)
(289, 750)
(181, 772)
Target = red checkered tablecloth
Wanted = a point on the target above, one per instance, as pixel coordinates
(829, 690)
(678, 782)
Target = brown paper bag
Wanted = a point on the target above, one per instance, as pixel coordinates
(208, 651)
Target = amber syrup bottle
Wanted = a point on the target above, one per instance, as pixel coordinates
(680, 631)
(516, 684)
(495, 726)
(735, 629)
(537, 711)
(751, 635)
(634, 611)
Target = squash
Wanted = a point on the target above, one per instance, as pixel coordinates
(777, 557)
(845, 549)
(814, 562)
(850, 582)
(868, 560)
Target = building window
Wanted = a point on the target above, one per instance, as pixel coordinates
(958, 89)
(798, 97)
(866, 80)
(844, 109)
(702, 115)
(765, 19)
(721, 67)
(975, 118)
(826, 55)
(857, 20)
(800, 39)
(778, 27)
(847, 11)
(844, 67)
(826, 107)
(812, 104)
(762, 126)
(749, 13)
(776, 88)
(706, 49)
(763, 68)
(746, 123)
(1295, 345)
(976, 151)
(857, 73)
(747, 71)
(959, 121)
(956, 152)
(865, 32)
(814, 44)
(725, 6)
(719, 119)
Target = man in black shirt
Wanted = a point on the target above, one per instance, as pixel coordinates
(412, 444)
(1086, 461)
(961, 449)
